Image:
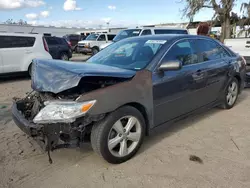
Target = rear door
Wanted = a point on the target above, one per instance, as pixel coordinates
(215, 60)
(13, 51)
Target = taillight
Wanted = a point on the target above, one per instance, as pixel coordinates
(69, 43)
(245, 62)
(45, 45)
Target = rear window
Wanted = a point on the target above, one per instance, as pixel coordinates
(74, 37)
(52, 41)
(16, 41)
(110, 37)
(170, 31)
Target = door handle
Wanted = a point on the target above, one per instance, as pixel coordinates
(198, 75)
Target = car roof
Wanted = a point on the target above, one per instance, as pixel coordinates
(164, 28)
(21, 34)
(158, 28)
(172, 37)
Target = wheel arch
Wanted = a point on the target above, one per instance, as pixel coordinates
(96, 47)
(143, 111)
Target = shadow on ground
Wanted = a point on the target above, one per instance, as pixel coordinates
(13, 78)
(167, 130)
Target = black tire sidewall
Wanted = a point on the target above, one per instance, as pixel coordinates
(94, 50)
(226, 105)
(109, 122)
(64, 54)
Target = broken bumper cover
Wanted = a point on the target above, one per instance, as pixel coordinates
(31, 129)
(247, 80)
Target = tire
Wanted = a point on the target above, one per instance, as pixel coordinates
(94, 51)
(64, 56)
(104, 132)
(229, 102)
(30, 70)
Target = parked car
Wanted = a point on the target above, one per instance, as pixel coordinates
(73, 40)
(18, 50)
(240, 46)
(144, 31)
(126, 90)
(59, 48)
(93, 42)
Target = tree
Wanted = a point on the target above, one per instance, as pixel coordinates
(245, 9)
(222, 11)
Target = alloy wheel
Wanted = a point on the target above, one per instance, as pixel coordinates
(124, 136)
(232, 93)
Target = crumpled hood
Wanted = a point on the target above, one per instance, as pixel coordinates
(56, 76)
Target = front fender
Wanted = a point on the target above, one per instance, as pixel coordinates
(136, 90)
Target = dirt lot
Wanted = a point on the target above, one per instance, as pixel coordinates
(220, 138)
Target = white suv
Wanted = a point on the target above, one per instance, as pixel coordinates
(144, 31)
(18, 50)
(93, 42)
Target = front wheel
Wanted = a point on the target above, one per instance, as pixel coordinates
(94, 51)
(119, 136)
(231, 94)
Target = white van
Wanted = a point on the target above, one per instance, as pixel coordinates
(18, 50)
(240, 46)
(144, 31)
(93, 42)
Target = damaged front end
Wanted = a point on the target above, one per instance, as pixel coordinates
(53, 114)
(53, 131)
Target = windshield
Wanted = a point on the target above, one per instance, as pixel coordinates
(133, 54)
(126, 34)
(92, 37)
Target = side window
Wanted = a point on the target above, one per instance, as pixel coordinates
(16, 41)
(146, 32)
(110, 37)
(183, 52)
(52, 41)
(209, 50)
(102, 38)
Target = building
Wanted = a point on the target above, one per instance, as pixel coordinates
(52, 30)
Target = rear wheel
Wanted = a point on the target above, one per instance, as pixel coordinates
(231, 94)
(30, 70)
(119, 136)
(64, 57)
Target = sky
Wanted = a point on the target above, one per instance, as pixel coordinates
(96, 13)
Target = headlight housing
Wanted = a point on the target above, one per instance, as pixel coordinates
(87, 45)
(62, 111)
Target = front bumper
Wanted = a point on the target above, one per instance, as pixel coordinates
(83, 49)
(247, 80)
(31, 129)
(48, 136)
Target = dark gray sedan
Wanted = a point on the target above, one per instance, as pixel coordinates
(127, 89)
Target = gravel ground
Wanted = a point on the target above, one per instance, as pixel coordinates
(219, 137)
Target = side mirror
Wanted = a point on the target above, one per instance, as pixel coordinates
(170, 65)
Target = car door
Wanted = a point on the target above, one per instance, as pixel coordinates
(54, 47)
(215, 60)
(176, 93)
(102, 38)
(14, 51)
